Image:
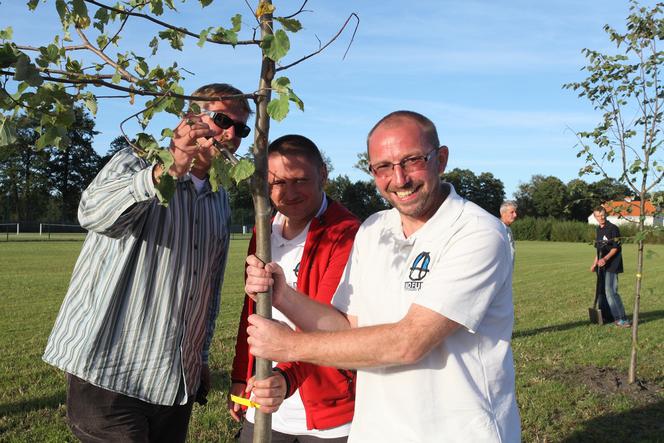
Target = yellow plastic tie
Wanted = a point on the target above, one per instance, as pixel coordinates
(244, 402)
(638, 275)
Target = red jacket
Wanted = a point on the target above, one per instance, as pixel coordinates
(328, 394)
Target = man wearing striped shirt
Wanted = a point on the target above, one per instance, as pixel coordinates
(135, 327)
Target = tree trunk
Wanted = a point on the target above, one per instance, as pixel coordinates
(631, 376)
(259, 193)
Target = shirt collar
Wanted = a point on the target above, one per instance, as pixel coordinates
(445, 216)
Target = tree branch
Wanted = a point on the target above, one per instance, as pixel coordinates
(66, 48)
(128, 77)
(167, 25)
(299, 11)
(282, 68)
(141, 92)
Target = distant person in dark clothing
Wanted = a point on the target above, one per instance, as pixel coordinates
(609, 261)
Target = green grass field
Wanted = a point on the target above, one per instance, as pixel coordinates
(558, 354)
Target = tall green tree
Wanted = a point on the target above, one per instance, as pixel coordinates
(484, 190)
(542, 196)
(360, 197)
(580, 201)
(626, 87)
(23, 176)
(70, 170)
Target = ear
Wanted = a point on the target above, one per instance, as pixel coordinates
(443, 154)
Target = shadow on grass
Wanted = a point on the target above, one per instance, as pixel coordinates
(644, 317)
(23, 407)
(640, 425)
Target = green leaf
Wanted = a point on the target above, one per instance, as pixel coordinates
(289, 24)
(26, 71)
(6, 34)
(174, 37)
(243, 170)
(154, 44)
(7, 56)
(32, 4)
(142, 68)
(80, 13)
(91, 103)
(278, 108)
(276, 46)
(236, 20)
(51, 137)
(7, 131)
(101, 17)
(61, 7)
(146, 142)
(295, 99)
(219, 174)
(281, 85)
(156, 7)
(165, 189)
(166, 133)
(205, 3)
(202, 37)
(117, 78)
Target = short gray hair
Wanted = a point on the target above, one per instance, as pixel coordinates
(508, 204)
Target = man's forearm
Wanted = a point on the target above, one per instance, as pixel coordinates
(404, 342)
(310, 315)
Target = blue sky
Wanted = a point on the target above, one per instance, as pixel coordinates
(488, 73)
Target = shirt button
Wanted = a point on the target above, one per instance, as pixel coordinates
(195, 247)
(194, 272)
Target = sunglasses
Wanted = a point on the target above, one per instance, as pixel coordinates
(224, 122)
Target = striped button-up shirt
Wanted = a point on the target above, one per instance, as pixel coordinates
(140, 311)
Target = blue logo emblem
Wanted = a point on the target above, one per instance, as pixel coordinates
(418, 270)
(420, 267)
(297, 269)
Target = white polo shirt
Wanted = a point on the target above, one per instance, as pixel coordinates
(459, 265)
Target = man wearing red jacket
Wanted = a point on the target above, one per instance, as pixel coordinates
(312, 236)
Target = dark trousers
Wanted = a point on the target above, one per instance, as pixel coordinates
(97, 415)
(247, 436)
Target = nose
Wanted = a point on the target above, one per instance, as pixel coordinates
(400, 177)
(228, 135)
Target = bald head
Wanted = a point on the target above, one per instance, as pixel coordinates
(428, 132)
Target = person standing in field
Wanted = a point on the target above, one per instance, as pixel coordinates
(423, 312)
(609, 260)
(134, 330)
(312, 236)
(507, 216)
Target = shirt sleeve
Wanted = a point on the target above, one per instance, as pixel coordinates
(118, 196)
(467, 274)
(342, 299)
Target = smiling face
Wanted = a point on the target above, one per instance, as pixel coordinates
(296, 187)
(416, 194)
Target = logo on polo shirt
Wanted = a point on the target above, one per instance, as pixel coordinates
(418, 270)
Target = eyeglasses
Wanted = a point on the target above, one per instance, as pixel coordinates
(408, 164)
(224, 122)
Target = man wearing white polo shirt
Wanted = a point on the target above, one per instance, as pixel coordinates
(424, 310)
